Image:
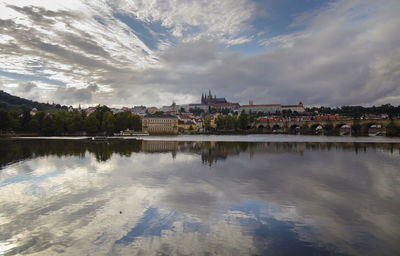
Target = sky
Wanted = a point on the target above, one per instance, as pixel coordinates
(153, 52)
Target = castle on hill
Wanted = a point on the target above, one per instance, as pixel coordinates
(210, 100)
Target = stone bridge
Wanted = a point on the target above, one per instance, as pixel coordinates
(359, 127)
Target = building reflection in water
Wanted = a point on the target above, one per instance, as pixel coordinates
(127, 197)
(211, 152)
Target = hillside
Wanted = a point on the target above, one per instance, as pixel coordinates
(11, 102)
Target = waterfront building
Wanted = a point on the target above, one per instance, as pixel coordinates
(271, 108)
(299, 108)
(160, 124)
(187, 126)
(264, 108)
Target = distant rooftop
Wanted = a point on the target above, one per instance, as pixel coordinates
(261, 105)
(160, 116)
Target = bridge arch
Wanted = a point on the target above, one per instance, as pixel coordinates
(316, 128)
(342, 129)
(374, 129)
(294, 129)
(276, 128)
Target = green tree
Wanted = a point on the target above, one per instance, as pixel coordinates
(243, 121)
(91, 124)
(24, 120)
(14, 120)
(75, 122)
(123, 121)
(207, 124)
(108, 124)
(220, 122)
(99, 113)
(196, 111)
(47, 126)
(251, 118)
(136, 122)
(60, 122)
(5, 121)
(40, 115)
(231, 122)
(34, 125)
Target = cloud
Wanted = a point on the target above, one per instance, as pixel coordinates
(346, 53)
(224, 18)
(181, 199)
(339, 59)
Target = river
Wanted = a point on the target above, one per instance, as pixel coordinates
(218, 195)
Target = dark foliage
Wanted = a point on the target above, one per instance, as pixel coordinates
(9, 102)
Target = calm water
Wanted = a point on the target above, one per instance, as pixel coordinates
(199, 198)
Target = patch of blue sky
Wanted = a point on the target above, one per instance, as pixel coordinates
(281, 15)
(29, 178)
(363, 11)
(277, 233)
(151, 33)
(100, 20)
(248, 48)
(31, 78)
(35, 66)
(256, 208)
(151, 224)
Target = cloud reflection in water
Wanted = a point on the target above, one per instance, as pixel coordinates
(74, 198)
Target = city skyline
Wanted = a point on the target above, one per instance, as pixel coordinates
(124, 53)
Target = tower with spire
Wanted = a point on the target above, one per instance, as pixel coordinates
(210, 99)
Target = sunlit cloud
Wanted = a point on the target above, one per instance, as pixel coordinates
(156, 52)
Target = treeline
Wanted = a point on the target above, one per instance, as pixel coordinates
(18, 150)
(10, 102)
(230, 122)
(358, 111)
(68, 123)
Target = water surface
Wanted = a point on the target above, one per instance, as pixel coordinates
(199, 198)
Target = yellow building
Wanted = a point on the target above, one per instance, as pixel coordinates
(187, 126)
(160, 124)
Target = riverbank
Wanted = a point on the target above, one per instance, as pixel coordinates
(235, 138)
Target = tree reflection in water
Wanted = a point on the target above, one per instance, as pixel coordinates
(154, 197)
